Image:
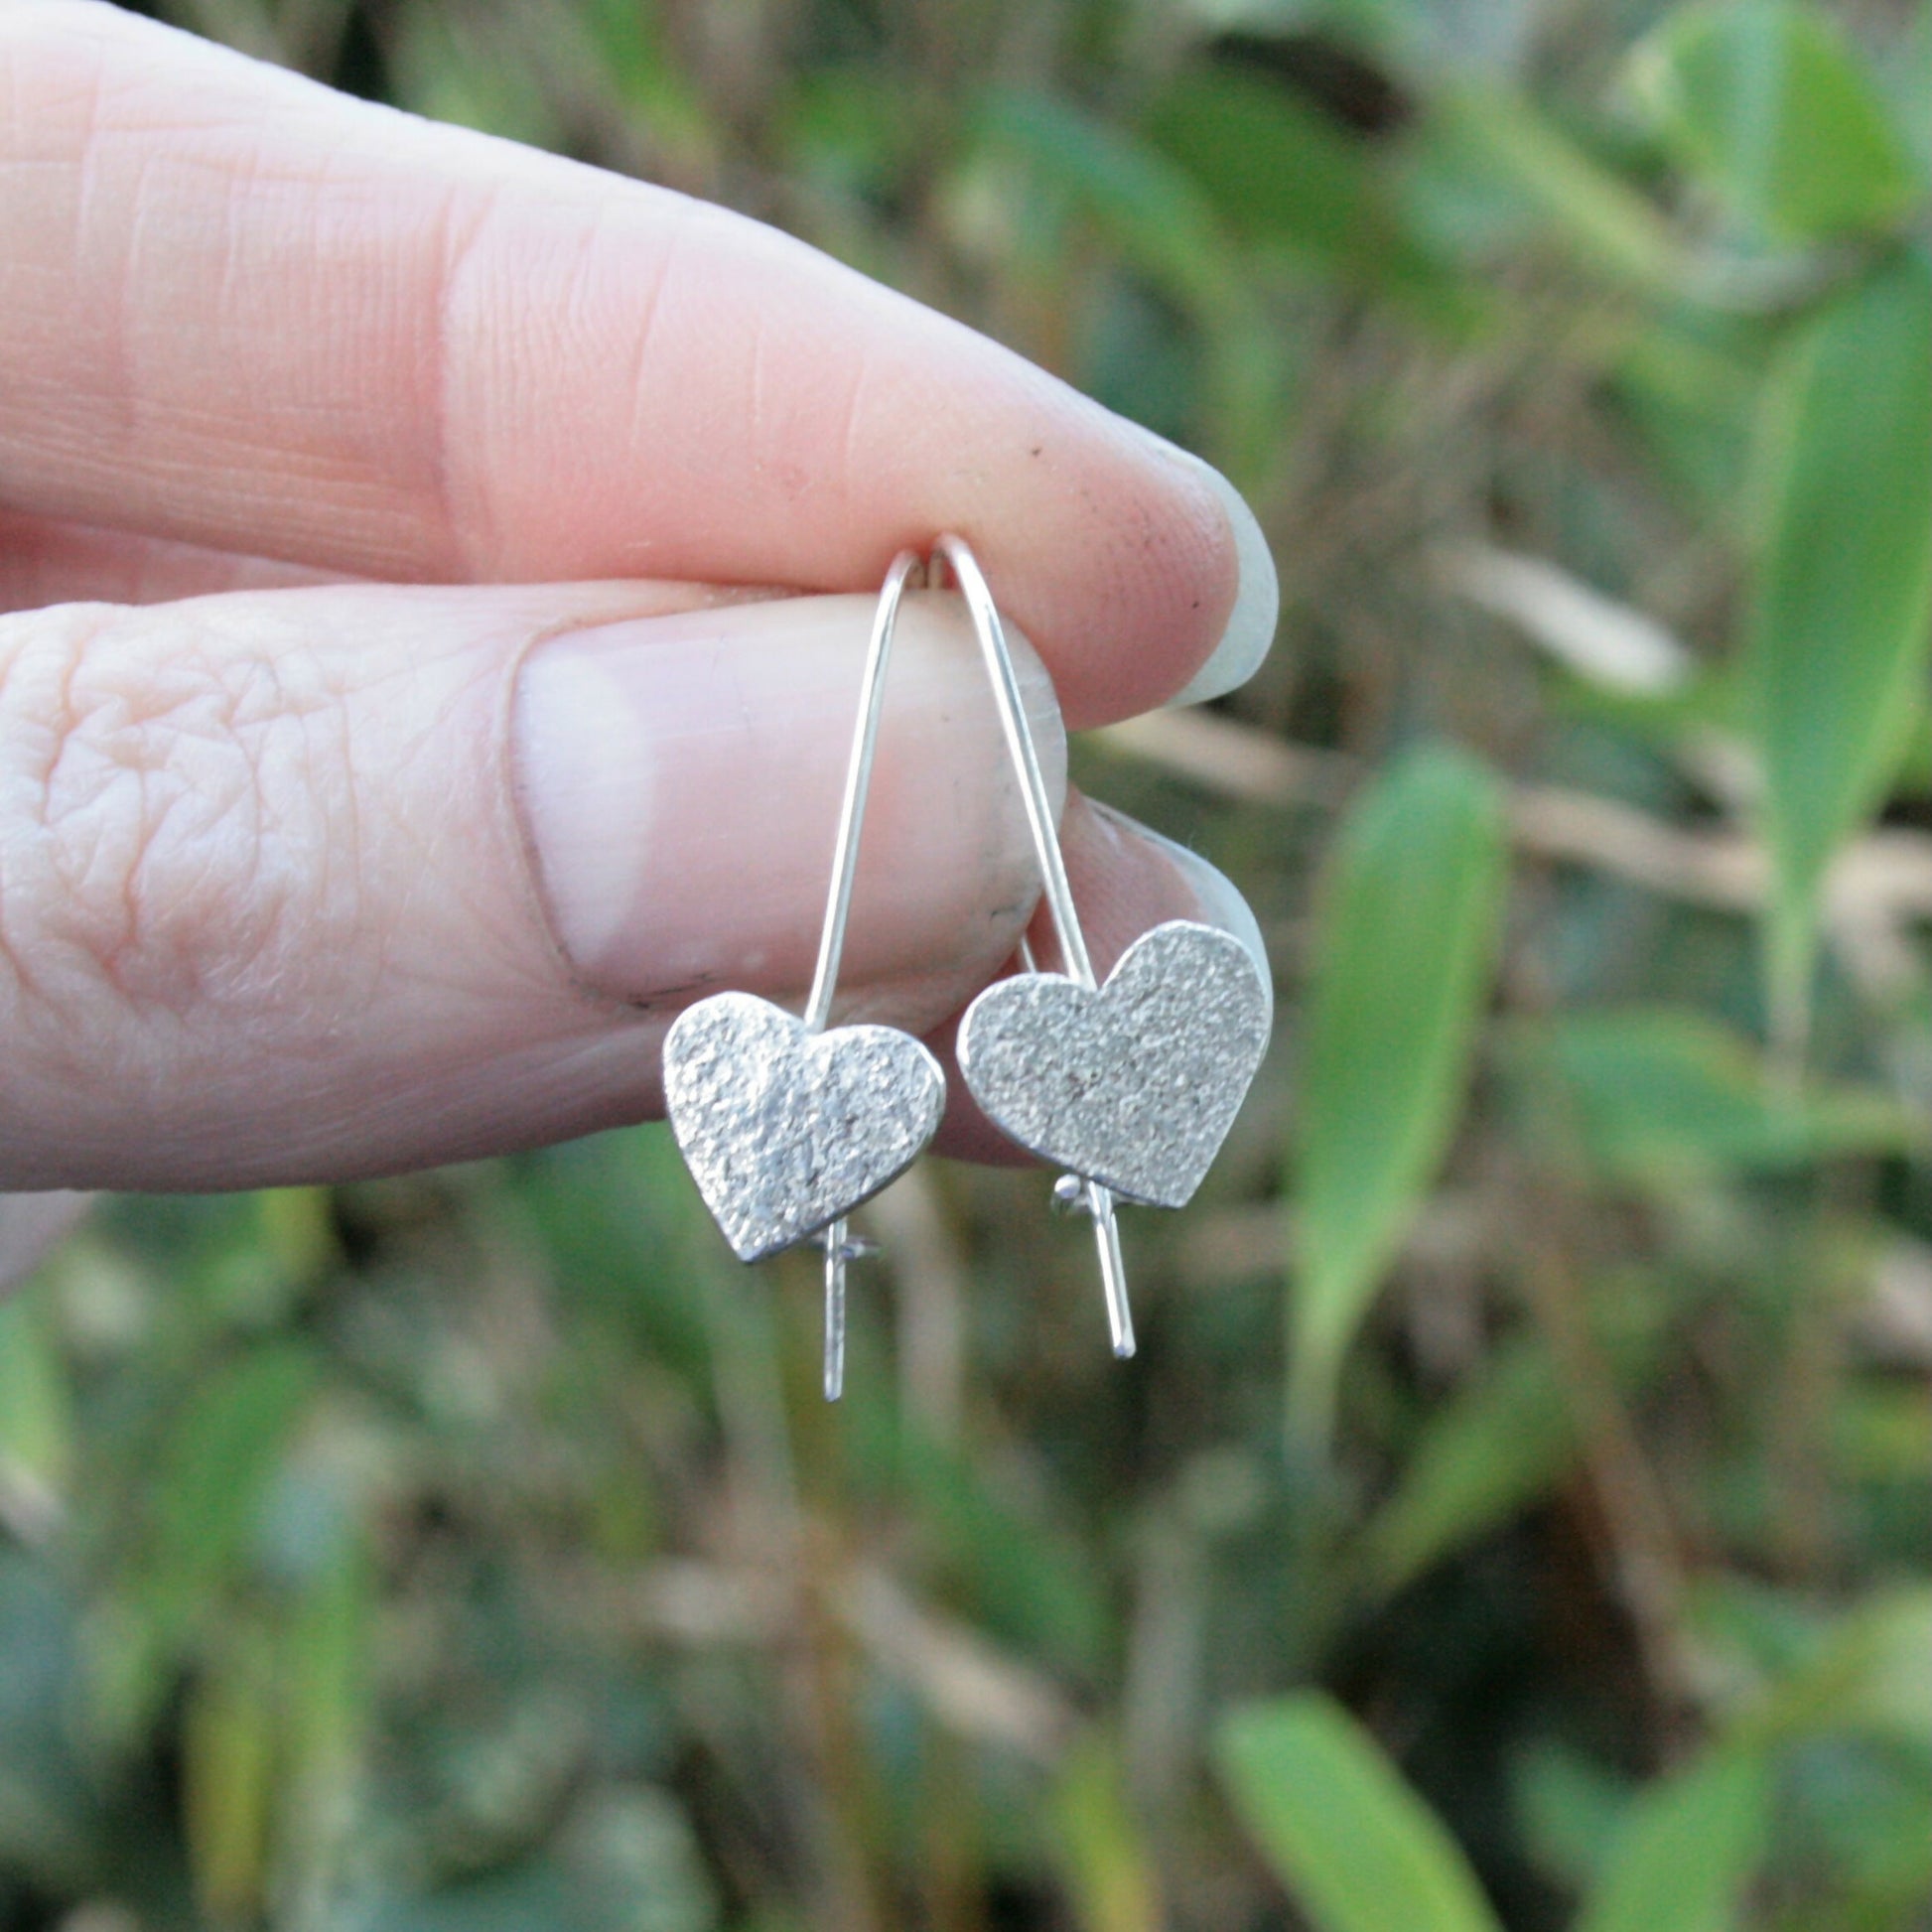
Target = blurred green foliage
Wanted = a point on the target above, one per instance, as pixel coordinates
(473, 1549)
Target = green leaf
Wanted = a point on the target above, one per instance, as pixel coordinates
(1100, 1849)
(1843, 614)
(1147, 207)
(1495, 140)
(445, 69)
(1882, 1434)
(1353, 1844)
(1158, 223)
(1569, 1809)
(625, 1861)
(1907, 76)
(1662, 1096)
(1504, 1438)
(1871, 1673)
(1489, 1449)
(1764, 103)
(37, 1424)
(1275, 168)
(228, 1751)
(844, 130)
(326, 1665)
(1860, 1816)
(633, 54)
(1023, 1578)
(635, 1864)
(1404, 949)
(1687, 1850)
(1279, 172)
(217, 1470)
(298, 1229)
(52, 1808)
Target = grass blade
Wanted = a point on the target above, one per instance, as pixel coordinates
(1843, 608)
(1766, 103)
(1404, 955)
(1686, 1852)
(1359, 1851)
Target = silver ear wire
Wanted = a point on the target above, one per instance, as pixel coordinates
(1075, 963)
(839, 1248)
(1133, 1086)
(786, 1123)
(858, 787)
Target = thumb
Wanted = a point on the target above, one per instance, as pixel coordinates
(308, 883)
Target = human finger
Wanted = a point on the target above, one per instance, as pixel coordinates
(45, 560)
(308, 883)
(244, 312)
(30, 1226)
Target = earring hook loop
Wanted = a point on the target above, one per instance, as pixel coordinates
(1075, 961)
(953, 552)
(839, 1249)
(857, 789)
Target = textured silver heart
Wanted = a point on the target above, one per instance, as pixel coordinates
(784, 1131)
(1134, 1086)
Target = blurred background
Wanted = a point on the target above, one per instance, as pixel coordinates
(1520, 1512)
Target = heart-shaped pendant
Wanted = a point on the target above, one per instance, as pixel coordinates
(1134, 1084)
(785, 1130)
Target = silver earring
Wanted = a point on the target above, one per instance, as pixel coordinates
(784, 1125)
(1132, 1085)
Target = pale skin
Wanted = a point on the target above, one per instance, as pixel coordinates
(421, 667)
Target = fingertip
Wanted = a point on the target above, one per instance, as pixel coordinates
(1129, 877)
(1248, 633)
(30, 1225)
(1218, 900)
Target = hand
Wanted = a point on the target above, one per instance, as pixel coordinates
(393, 731)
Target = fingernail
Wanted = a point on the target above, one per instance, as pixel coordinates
(680, 780)
(1217, 900)
(1250, 631)
(30, 1225)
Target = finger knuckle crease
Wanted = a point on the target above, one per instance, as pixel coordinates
(165, 809)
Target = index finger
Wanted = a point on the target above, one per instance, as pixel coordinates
(245, 312)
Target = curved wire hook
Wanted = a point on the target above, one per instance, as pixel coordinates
(839, 1247)
(858, 787)
(1076, 963)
